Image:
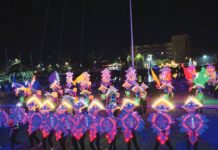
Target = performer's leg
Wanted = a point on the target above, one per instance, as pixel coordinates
(62, 141)
(188, 143)
(35, 137)
(50, 139)
(91, 144)
(114, 143)
(129, 145)
(13, 138)
(82, 142)
(157, 144)
(44, 141)
(98, 141)
(168, 144)
(196, 146)
(74, 142)
(134, 140)
(31, 140)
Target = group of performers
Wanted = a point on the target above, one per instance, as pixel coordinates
(73, 110)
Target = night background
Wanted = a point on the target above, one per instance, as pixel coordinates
(100, 27)
(57, 57)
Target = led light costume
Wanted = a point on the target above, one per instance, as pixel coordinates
(65, 123)
(28, 89)
(190, 73)
(34, 119)
(49, 124)
(105, 82)
(49, 119)
(80, 124)
(18, 115)
(85, 86)
(166, 82)
(70, 89)
(81, 119)
(199, 84)
(161, 121)
(130, 81)
(211, 72)
(130, 121)
(112, 95)
(139, 92)
(55, 86)
(93, 110)
(3, 119)
(194, 124)
(108, 124)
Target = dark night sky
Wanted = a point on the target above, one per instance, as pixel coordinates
(106, 26)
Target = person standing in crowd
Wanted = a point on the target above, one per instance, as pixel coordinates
(13, 134)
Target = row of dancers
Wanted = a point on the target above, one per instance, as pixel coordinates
(65, 112)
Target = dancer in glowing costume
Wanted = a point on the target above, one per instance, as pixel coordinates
(199, 84)
(85, 86)
(211, 84)
(112, 95)
(105, 83)
(55, 86)
(108, 125)
(161, 122)
(18, 114)
(190, 73)
(211, 72)
(194, 124)
(130, 121)
(17, 118)
(94, 131)
(49, 123)
(3, 119)
(69, 87)
(34, 119)
(130, 81)
(166, 82)
(81, 124)
(65, 121)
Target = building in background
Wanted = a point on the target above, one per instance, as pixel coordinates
(176, 49)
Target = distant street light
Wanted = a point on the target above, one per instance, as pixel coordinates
(204, 56)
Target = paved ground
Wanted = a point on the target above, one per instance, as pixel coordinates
(146, 139)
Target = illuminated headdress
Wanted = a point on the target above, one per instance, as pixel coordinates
(162, 105)
(192, 103)
(47, 106)
(33, 102)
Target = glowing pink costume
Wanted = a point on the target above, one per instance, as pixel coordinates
(81, 121)
(108, 124)
(161, 123)
(194, 124)
(130, 121)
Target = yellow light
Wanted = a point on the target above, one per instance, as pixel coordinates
(65, 103)
(194, 100)
(35, 99)
(128, 101)
(163, 101)
(49, 103)
(96, 103)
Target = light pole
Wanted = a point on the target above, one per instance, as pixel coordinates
(131, 32)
